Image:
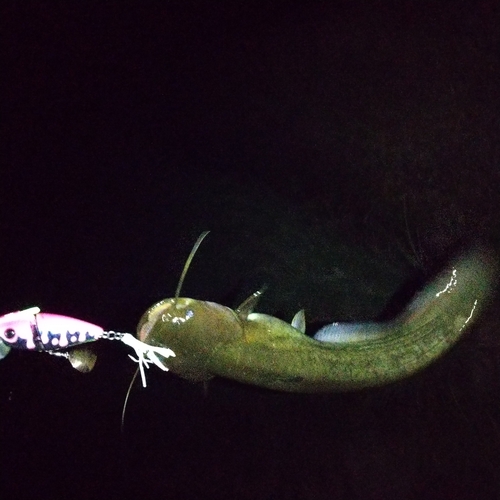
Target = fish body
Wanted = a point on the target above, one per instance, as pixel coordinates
(213, 340)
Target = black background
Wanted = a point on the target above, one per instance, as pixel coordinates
(337, 152)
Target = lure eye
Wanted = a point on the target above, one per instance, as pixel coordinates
(9, 334)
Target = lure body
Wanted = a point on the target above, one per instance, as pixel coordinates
(65, 336)
(212, 340)
(30, 329)
(60, 335)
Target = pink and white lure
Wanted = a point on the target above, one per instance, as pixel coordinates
(64, 336)
(33, 330)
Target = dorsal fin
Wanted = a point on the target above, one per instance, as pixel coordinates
(299, 321)
(248, 305)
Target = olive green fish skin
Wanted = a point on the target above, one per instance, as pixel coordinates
(212, 340)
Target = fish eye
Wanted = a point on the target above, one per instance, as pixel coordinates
(9, 334)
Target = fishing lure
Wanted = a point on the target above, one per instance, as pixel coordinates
(64, 336)
(210, 339)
